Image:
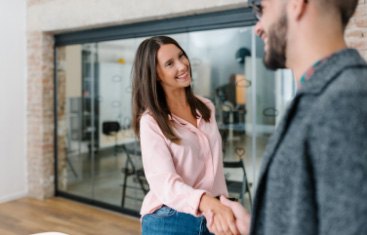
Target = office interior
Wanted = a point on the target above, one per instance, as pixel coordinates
(98, 155)
(66, 119)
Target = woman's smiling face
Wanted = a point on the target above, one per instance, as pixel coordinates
(173, 68)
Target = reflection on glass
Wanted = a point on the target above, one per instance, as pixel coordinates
(98, 156)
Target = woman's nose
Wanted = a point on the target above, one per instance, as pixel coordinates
(181, 65)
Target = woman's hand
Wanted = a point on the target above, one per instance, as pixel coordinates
(222, 220)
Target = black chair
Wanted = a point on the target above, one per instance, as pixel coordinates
(111, 128)
(132, 151)
(238, 187)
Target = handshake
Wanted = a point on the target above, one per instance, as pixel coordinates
(228, 218)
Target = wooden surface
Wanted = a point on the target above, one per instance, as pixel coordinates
(26, 216)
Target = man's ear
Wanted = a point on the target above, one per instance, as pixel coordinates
(298, 8)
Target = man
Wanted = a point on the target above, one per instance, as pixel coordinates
(314, 174)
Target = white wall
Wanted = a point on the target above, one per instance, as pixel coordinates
(65, 15)
(12, 100)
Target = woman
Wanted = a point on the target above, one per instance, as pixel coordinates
(180, 142)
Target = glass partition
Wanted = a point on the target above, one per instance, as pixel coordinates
(98, 155)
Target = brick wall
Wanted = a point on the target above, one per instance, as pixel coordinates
(356, 33)
(40, 114)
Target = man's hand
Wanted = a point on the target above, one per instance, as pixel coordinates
(242, 216)
(221, 219)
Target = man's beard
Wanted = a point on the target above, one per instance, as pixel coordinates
(275, 57)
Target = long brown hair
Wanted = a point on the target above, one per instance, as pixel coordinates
(148, 94)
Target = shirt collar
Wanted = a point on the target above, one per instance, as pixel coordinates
(330, 68)
(180, 121)
(310, 71)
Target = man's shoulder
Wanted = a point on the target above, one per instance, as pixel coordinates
(351, 79)
(346, 72)
(343, 61)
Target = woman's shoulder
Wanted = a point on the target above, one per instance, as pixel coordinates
(206, 101)
(147, 117)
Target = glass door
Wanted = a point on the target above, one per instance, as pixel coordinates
(98, 155)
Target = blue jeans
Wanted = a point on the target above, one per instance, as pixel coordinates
(167, 221)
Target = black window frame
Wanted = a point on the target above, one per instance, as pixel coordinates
(239, 17)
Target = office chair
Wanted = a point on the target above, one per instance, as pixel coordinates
(111, 128)
(238, 187)
(132, 151)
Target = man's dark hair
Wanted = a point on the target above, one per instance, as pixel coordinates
(345, 8)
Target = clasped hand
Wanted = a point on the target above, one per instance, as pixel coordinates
(227, 218)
